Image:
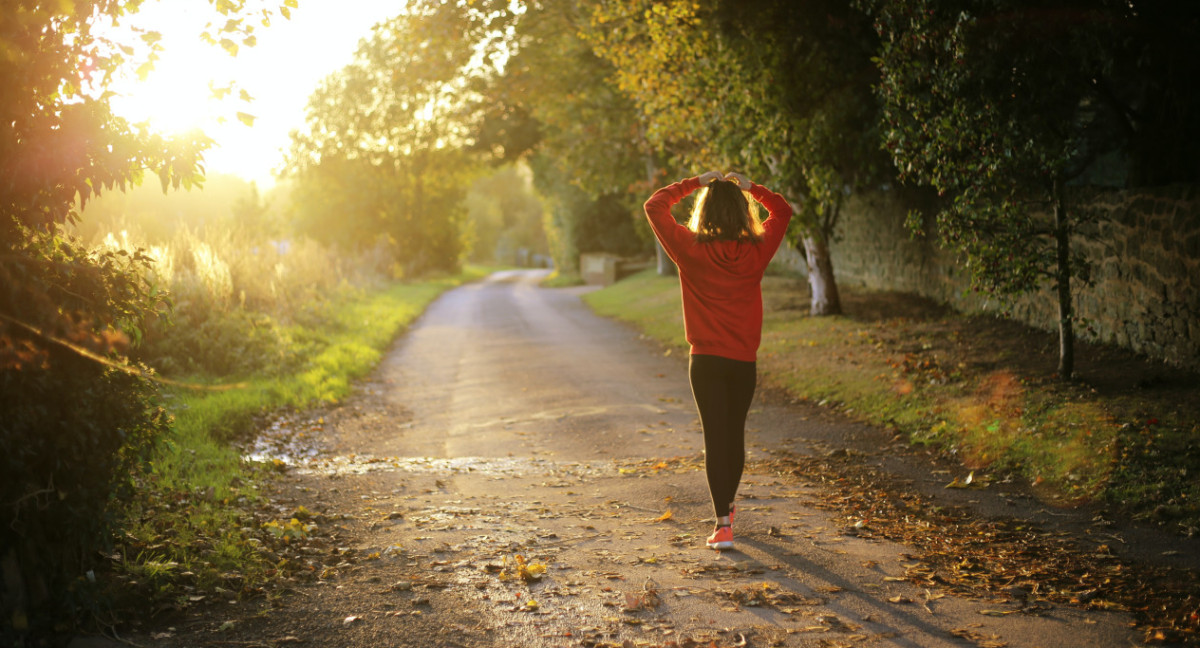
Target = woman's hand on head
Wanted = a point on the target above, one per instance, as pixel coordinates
(709, 176)
(742, 181)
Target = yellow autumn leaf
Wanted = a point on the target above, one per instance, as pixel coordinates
(665, 516)
(997, 613)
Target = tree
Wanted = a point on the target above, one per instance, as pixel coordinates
(583, 137)
(384, 154)
(999, 106)
(813, 121)
(784, 94)
(76, 421)
(506, 217)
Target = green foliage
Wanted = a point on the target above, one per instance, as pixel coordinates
(341, 344)
(73, 437)
(761, 88)
(997, 106)
(808, 119)
(605, 226)
(61, 144)
(981, 104)
(229, 344)
(665, 61)
(75, 420)
(238, 298)
(505, 217)
(575, 221)
(578, 115)
(995, 103)
(581, 136)
(384, 156)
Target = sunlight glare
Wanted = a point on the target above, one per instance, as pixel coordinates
(280, 73)
(175, 97)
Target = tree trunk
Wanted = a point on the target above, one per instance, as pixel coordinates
(825, 299)
(1062, 279)
(666, 267)
(663, 263)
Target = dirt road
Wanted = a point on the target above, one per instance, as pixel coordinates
(519, 472)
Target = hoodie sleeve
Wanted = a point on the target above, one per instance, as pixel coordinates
(780, 215)
(671, 234)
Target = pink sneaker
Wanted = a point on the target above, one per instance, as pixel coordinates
(721, 538)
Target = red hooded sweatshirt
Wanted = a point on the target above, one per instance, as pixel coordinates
(720, 280)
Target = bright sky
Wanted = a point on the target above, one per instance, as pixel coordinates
(279, 72)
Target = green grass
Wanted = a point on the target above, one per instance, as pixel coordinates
(194, 506)
(558, 279)
(648, 301)
(955, 383)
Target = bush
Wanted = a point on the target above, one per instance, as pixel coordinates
(73, 436)
(211, 343)
(239, 299)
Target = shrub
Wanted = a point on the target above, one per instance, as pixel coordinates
(72, 437)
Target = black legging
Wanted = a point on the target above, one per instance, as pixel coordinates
(723, 389)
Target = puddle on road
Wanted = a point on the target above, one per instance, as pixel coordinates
(305, 457)
(292, 441)
(289, 440)
(356, 464)
(494, 466)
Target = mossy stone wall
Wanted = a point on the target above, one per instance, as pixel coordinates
(1143, 247)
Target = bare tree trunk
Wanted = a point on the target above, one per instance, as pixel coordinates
(663, 263)
(815, 238)
(1062, 279)
(825, 299)
(666, 267)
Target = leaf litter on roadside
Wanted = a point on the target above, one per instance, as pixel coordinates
(1010, 558)
(520, 568)
(978, 638)
(770, 595)
(645, 599)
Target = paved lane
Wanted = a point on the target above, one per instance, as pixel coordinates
(512, 427)
(567, 437)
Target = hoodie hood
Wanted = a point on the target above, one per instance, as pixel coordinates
(735, 257)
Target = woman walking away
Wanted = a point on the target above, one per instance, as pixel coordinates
(722, 254)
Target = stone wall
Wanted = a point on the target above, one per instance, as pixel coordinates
(1143, 245)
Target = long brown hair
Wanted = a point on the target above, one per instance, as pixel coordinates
(723, 212)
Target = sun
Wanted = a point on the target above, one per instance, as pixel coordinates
(176, 96)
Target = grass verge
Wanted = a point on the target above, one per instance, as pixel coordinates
(1126, 432)
(194, 531)
(558, 279)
